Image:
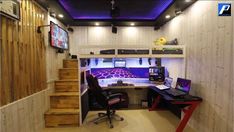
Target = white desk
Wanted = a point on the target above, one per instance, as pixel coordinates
(137, 83)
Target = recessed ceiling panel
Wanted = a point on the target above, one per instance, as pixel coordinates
(129, 9)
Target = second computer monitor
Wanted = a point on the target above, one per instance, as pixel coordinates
(183, 84)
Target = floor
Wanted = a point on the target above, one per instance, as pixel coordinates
(134, 121)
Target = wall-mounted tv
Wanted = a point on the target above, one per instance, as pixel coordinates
(58, 37)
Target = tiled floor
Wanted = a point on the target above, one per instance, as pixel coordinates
(134, 121)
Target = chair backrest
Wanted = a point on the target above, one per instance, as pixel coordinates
(96, 90)
(89, 79)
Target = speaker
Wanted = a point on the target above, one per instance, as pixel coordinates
(74, 56)
(156, 28)
(158, 61)
(140, 61)
(70, 29)
(83, 62)
(60, 51)
(88, 62)
(96, 61)
(149, 61)
(114, 29)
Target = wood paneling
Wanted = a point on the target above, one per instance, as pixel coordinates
(25, 115)
(22, 54)
(209, 42)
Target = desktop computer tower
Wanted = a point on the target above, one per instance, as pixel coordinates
(157, 73)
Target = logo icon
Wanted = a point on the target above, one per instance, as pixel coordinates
(224, 9)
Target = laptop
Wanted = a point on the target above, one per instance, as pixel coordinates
(182, 88)
(166, 85)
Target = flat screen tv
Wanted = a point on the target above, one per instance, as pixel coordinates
(58, 37)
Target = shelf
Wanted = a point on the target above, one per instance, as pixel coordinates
(96, 56)
(168, 56)
(135, 56)
(150, 55)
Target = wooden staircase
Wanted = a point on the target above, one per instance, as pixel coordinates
(64, 103)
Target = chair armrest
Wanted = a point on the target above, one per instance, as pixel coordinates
(116, 95)
(107, 91)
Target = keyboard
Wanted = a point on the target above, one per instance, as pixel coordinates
(162, 87)
(121, 84)
(175, 92)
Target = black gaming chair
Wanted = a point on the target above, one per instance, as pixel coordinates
(106, 100)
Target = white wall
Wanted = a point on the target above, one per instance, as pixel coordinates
(86, 39)
(209, 42)
(53, 60)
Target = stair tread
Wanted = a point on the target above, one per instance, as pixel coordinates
(68, 68)
(70, 59)
(67, 80)
(62, 111)
(65, 94)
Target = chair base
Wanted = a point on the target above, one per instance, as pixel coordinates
(108, 115)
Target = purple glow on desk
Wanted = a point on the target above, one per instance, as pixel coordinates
(105, 73)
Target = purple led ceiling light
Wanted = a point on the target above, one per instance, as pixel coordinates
(129, 9)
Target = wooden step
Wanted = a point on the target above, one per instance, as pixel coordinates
(68, 73)
(62, 117)
(64, 100)
(70, 63)
(66, 86)
(65, 94)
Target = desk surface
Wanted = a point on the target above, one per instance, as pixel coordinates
(132, 84)
(135, 85)
(189, 101)
(167, 97)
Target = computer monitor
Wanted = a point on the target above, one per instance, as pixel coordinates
(183, 85)
(119, 63)
(168, 81)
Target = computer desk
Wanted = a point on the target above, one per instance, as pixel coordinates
(136, 84)
(188, 103)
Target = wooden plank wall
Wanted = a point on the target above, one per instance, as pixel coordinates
(26, 114)
(210, 64)
(22, 54)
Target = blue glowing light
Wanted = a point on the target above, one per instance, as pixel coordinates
(148, 11)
